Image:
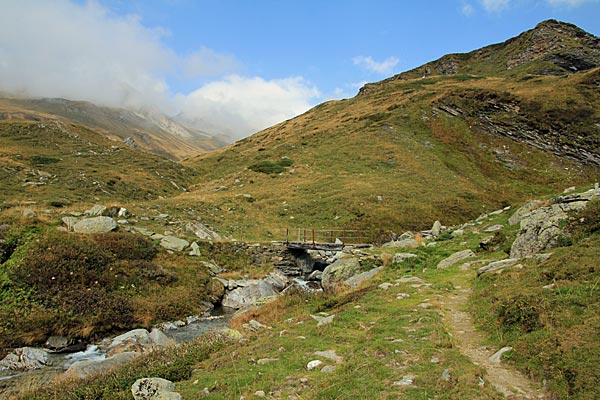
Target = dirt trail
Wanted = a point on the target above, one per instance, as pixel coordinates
(506, 380)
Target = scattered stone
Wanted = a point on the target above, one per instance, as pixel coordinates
(497, 356)
(406, 381)
(434, 360)
(402, 296)
(96, 211)
(173, 243)
(315, 276)
(194, 250)
(551, 286)
(457, 233)
(95, 225)
(399, 257)
(399, 244)
(278, 280)
(494, 228)
(212, 267)
(254, 325)
(410, 279)
(70, 222)
(436, 229)
(24, 359)
(264, 361)
(57, 343)
(385, 286)
(260, 393)
(229, 333)
(456, 257)
(29, 213)
(154, 388)
(323, 320)
(314, 364)
(330, 355)
(497, 266)
(328, 369)
(446, 375)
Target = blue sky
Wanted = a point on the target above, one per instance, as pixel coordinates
(239, 66)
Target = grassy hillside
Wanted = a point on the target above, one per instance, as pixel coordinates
(152, 132)
(405, 153)
(54, 163)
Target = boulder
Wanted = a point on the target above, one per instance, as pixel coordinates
(357, 280)
(212, 267)
(194, 250)
(95, 225)
(523, 211)
(404, 243)
(154, 389)
(137, 340)
(57, 343)
(493, 228)
(540, 230)
(24, 359)
(82, 369)
(278, 280)
(203, 232)
(160, 340)
(96, 211)
(174, 243)
(497, 265)
(399, 257)
(70, 222)
(456, 257)
(339, 271)
(436, 228)
(29, 213)
(248, 295)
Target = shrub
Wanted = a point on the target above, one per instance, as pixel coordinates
(272, 167)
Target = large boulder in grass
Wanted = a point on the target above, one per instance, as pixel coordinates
(173, 243)
(456, 257)
(24, 359)
(154, 389)
(95, 225)
(250, 294)
(339, 271)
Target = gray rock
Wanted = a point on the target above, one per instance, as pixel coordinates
(456, 257)
(202, 231)
(321, 321)
(95, 225)
(540, 230)
(523, 211)
(264, 361)
(400, 244)
(248, 295)
(315, 276)
(24, 359)
(82, 369)
(330, 355)
(154, 389)
(213, 268)
(278, 280)
(159, 339)
(96, 211)
(137, 340)
(194, 250)
(174, 243)
(123, 213)
(385, 286)
(497, 265)
(57, 343)
(497, 357)
(144, 231)
(493, 228)
(70, 222)
(29, 213)
(457, 233)
(446, 375)
(407, 380)
(357, 280)
(399, 257)
(314, 364)
(436, 228)
(328, 369)
(339, 271)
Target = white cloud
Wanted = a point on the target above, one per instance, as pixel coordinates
(492, 6)
(381, 67)
(241, 105)
(207, 62)
(467, 9)
(61, 49)
(569, 3)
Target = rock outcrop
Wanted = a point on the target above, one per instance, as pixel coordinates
(95, 225)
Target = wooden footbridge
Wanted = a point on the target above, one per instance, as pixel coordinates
(324, 239)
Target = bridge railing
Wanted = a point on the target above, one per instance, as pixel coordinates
(346, 236)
